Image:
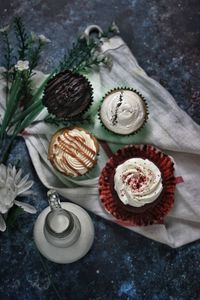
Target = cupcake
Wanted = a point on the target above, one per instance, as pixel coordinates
(138, 182)
(123, 111)
(67, 95)
(73, 151)
(137, 185)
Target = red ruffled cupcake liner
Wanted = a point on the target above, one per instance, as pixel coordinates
(152, 213)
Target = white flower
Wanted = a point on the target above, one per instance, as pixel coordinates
(4, 29)
(43, 39)
(22, 65)
(108, 61)
(11, 186)
(114, 28)
(34, 37)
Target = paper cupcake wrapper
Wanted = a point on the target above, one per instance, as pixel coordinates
(78, 115)
(152, 213)
(145, 106)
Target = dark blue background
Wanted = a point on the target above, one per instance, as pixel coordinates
(165, 38)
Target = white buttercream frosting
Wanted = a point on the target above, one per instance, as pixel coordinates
(123, 112)
(73, 152)
(137, 182)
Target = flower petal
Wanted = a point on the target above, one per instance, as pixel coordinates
(43, 39)
(14, 171)
(18, 176)
(26, 207)
(9, 174)
(2, 224)
(22, 65)
(3, 173)
(5, 28)
(26, 193)
(26, 186)
(23, 181)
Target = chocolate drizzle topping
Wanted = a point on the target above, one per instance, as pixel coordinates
(115, 116)
(67, 95)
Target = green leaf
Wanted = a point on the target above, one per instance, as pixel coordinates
(34, 55)
(7, 63)
(22, 38)
(12, 104)
(13, 213)
(79, 57)
(28, 119)
(36, 102)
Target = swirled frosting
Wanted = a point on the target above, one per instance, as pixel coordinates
(73, 151)
(137, 182)
(123, 112)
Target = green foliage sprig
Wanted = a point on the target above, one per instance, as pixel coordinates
(81, 57)
(23, 105)
(22, 38)
(84, 54)
(7, 49)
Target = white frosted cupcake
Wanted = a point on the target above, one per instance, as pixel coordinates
(73, 151)
(137, 182)
(137, 185)
(123, 111)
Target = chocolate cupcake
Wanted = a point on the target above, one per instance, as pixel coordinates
(67, 95)
(137, 185)
(123, 111)
(73, 151)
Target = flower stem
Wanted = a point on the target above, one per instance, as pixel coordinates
(11, 105)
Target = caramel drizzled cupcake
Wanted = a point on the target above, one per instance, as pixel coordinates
(67, 95)
(73, 151)
(123, 111)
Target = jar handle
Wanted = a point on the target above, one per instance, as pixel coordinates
(54, 200)
(89, 30)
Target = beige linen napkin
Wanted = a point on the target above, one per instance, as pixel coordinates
(169, 128)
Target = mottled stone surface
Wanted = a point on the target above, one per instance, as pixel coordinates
(165, 38)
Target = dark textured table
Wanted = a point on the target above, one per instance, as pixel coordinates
(165, 38)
